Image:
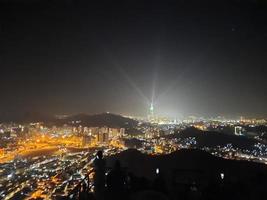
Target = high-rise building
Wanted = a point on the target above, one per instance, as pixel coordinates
(151, 109)
(114, 132)
(238, 130)
(122, 132)
(86, 140)
(103, 130)
(85, 130)
(93, 131)
(151, 112)
(102, 137)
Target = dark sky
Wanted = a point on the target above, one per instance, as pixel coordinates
(201, 57)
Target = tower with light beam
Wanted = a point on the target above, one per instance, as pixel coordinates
(151, 112)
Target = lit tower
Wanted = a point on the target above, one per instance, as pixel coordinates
(151, 112)
(151, 109)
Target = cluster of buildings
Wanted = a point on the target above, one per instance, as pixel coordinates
(90, 135)
(57, 173)
(102, 135)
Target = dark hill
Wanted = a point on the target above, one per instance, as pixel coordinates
(100, 120)
(188, 165)
(212, 138)
(96, 120)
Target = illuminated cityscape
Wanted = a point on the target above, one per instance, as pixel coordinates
(133, 100)
(47, 161)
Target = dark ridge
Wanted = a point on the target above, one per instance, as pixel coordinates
(212, 138)
(100, 120)
(96, 120)
(192, 161)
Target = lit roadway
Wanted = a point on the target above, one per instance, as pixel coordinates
(38, 145)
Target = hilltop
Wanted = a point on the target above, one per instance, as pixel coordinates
(212, 138)
(100, 120)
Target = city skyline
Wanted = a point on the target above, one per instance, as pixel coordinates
(133, 99)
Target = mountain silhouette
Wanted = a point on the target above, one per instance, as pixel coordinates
(100, 120)
(213, 139)
(184, 159)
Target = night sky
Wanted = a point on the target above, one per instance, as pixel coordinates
(191, 57)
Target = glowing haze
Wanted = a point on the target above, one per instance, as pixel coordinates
(184, 57)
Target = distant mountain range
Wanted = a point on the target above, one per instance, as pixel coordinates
(99, 120)
(95, 120)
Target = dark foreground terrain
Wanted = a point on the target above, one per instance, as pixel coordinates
(185, 174)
